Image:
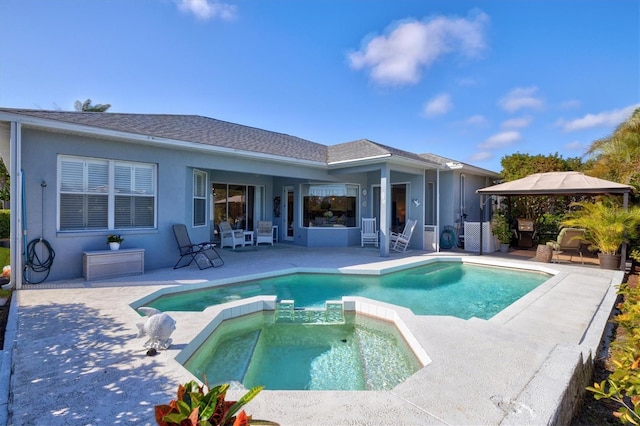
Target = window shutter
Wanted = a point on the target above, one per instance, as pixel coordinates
(87, 200)
(199, 197)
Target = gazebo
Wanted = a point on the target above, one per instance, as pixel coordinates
(555, 183)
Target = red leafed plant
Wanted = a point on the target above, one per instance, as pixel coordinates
(197, 406)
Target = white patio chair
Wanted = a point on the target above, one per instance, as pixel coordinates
(229, 236)
(369, 233)
(264, 234)
(400, 242)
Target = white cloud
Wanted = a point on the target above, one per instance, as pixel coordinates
(208, 9)
(604, 119)
(481, 156)
(519, 98)
(517, 123)
(438, 105)
(500, 140)
(409, 47)
(477, 120)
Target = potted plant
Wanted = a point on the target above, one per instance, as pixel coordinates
(195, 405)
(502, 231)
(607, 227)
(114, 241)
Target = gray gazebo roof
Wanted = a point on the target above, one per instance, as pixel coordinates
(557, 183)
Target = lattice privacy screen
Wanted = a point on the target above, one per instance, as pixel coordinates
(472, 237)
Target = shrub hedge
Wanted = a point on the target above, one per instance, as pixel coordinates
(5, 217)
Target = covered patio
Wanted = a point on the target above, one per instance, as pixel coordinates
(558, 184)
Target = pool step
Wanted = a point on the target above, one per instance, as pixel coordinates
(332, 313)
(285, 310)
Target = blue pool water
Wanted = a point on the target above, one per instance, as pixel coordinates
(444, 288)
(359, 354)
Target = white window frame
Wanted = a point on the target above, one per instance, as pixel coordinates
(199, 193)
(109, 190)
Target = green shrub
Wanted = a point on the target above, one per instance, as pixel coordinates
(4, 257)
(623, 384)
(5, 218)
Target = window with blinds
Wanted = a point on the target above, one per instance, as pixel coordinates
(105, 194)
(199, 198)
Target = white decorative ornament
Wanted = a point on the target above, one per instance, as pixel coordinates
(158, 327)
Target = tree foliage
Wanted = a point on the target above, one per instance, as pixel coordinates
(87, 107)
(617, 157)
(518, 165)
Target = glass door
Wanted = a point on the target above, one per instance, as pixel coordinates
(235, 204)
(288, 213)
(398, 205)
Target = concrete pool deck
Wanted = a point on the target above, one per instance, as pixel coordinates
(75, 358)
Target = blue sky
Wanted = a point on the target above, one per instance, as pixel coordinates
(468, 80)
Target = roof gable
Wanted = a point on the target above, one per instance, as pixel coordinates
(365, 149)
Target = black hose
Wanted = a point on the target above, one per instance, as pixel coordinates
(35, 263)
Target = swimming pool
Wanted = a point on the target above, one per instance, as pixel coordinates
(360, 353)
(441, 288)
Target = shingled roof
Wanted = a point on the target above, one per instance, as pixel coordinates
(209, 131)
(365, 148)
(191, 128)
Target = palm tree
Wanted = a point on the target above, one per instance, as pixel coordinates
(617, 157)
(87, 107)
(608, 226)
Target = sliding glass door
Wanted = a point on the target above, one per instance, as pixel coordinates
(236, 204)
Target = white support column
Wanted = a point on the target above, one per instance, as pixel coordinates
(16, 226)
(385, 210)
(437, 236)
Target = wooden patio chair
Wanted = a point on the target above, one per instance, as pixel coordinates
(400, 242)
(369, 233)
(264, 234)
(229, 236)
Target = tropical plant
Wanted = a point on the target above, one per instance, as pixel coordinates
(623, 384)
(195, 405)
(500, 228)
(607, 225)
(617, 157)
(547, 226)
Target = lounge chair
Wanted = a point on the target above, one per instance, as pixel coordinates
(264, 234)
(400, 242)
(204, 254)
(369, 233)
(229, 236)
(570, 240)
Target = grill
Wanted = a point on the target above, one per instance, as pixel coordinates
(525, 233)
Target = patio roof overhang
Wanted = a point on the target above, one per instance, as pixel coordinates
(557, 183)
